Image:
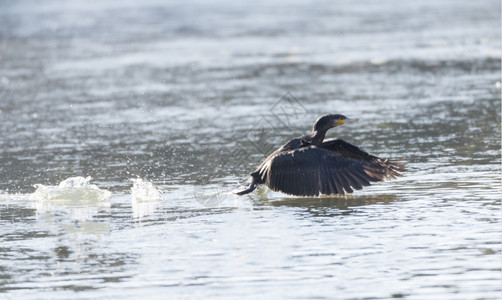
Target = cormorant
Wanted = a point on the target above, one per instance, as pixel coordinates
(307, 166)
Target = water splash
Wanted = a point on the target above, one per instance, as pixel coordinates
(144, 198)
(74, 195)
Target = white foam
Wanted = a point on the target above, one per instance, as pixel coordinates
(144, 198)
(74, 195)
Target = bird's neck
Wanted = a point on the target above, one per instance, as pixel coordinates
(318, 136)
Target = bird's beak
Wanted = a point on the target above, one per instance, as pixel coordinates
(348, 120)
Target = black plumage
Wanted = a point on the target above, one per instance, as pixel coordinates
(308, 166)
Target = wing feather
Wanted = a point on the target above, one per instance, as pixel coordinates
(325, 184)
(381, 168)
(353, 181)
(338, 184)
(309, 171)
(345, 183)
(335, 167)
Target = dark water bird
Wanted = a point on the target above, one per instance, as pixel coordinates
(309, 166)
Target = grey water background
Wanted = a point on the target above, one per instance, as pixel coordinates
(190, 96)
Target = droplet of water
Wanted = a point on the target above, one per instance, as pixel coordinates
(143, 191)
(144, 198)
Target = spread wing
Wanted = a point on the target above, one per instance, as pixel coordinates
(311, 170)
(347, 150)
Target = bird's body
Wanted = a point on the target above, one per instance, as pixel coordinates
(309, 166)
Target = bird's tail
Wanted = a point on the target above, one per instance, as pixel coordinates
(246, 187)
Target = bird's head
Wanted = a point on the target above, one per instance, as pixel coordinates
(328, 121)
